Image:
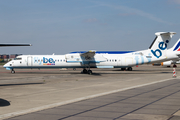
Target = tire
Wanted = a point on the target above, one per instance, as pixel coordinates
(123, 69)
(85, 71)
(129, 68)
(174, 65)
(90, 72)
(12, 71)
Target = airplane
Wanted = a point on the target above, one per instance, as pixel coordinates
(166, 63)
(175, 60)
(157, 52)
(5, 45)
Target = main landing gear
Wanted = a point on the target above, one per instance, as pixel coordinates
(129, 69)
(174, 65)
(12, 71)
(85, 71)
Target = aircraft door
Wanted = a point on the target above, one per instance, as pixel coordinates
(29, 61)
(119, 61)
(125, 61)
(129, 60)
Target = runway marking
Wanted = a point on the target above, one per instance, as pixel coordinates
(13, 114)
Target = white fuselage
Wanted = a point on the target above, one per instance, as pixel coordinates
(102, 60)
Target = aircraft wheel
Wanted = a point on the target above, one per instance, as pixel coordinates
(123, 69)
(129, 68)
(89, 72)
(84, 71)
(12, 71)
(174, 65)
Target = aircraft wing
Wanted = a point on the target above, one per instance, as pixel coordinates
(85, 57)
(88, 55)
(6, 45)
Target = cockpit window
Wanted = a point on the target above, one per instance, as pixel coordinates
(17, 58)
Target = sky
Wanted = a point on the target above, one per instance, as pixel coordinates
(63, 26)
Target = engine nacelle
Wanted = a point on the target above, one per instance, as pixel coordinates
(167, 63)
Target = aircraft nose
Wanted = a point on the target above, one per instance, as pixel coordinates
(7, 65)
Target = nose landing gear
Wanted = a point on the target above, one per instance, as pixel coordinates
(12, 71)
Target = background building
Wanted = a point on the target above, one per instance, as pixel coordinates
(6, 57)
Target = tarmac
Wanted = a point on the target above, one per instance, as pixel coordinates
(146, 93)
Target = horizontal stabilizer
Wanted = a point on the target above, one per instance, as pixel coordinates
(164, 33)
(161, 37)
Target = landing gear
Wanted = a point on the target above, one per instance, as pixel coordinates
(89, 72)
(129, 68)
(12, 71)
(86, 71)
(174, 65)
(123, 69)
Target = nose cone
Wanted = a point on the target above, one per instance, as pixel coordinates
(8, 66)
(5, 65)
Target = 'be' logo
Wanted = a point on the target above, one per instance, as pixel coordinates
(162, 46)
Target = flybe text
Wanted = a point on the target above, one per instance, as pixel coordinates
(48, 61)
(44, 61)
